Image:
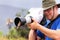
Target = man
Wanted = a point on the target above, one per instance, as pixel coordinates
(52, 31)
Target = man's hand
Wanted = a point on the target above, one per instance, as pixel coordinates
(33, 25)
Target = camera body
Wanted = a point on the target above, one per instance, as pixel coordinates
(36, 13)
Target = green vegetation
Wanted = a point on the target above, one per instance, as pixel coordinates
(20, 34)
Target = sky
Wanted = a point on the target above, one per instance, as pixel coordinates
(21, 3)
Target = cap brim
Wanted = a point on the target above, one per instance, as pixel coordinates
(48, 7)
(51, 6)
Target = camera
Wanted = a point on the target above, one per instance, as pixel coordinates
(36, 13)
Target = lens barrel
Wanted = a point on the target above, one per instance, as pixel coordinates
(21, 20)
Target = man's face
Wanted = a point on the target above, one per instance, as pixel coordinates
(49, 13)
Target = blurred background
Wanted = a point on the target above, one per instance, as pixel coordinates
(9, 9)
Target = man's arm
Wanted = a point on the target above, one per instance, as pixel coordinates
(33, 36)
(54, 34)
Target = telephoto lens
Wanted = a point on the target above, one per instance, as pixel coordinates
(22, 21)
(36, 13)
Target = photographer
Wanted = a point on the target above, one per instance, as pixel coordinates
(52, 31)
